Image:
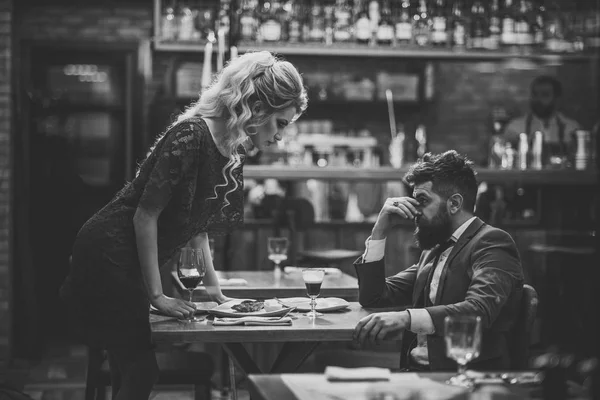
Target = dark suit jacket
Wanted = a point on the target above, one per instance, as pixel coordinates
(482, 276)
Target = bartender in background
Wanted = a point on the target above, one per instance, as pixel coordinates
(544, 116)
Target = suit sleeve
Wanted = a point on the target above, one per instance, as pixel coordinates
(496, 270)
(376, 291)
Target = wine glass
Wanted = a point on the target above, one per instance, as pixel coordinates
(462, 334)
(313, 278)
(191, 270)
(277, 248)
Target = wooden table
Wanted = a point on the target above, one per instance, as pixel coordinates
(299, 339)
(272, 387)
(265, 285)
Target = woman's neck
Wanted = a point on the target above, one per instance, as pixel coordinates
(218, 128)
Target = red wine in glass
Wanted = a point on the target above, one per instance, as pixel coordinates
(313, 288)
(191, 269)
(190, 282)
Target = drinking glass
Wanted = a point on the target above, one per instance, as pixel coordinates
(313, 278)
(463, 344)
(191, 270)
(278, 249)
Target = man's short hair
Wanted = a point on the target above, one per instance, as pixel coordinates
(449, 172)
(548, 80)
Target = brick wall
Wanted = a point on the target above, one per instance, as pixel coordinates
(5, 175)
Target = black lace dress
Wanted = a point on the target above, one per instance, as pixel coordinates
(184, 177)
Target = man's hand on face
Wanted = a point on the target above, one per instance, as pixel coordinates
(392, 213)
(379, 326)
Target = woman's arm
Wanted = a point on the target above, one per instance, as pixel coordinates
(145, 227)
(211, 281)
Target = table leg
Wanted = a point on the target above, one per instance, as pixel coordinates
(232, 385)
(292, 355)
(238, 353)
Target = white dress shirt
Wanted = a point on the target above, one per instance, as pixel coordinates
(420, 320)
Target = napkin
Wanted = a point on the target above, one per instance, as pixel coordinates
(357, 374)
(327, 270)
(253, 321)
(233, 282)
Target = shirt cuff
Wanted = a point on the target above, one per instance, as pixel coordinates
(374, 250)
(420, 321)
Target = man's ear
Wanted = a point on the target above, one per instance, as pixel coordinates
(455, 203)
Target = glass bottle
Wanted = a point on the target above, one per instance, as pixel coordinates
(169, 26)
(294, 22)
(404, 33)
(343, 31)
(495, 26)
(508, 37)
(422, 25)
(539, 18)
(439, 34)
(328, 11)
(247, 21)
(363, 27)
(459, 26)
(479, 25)
(317, 23)
(555, 29)
(374, 18)
(270, 27)
(385, 31)
(524, 37)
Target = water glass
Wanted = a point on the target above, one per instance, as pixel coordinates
(462, 334)
(277, 248)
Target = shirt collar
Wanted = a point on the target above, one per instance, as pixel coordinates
(461, 229)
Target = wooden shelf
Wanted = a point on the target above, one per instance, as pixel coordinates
(183, 47)
(543, 177)
(355, 50)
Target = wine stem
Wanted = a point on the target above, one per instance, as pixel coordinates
(462, 369)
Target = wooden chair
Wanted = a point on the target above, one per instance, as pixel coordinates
(298, 215)
(520, 338)
(177, 367)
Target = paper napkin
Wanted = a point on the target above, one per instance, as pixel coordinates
(250, 321)
(357, 374)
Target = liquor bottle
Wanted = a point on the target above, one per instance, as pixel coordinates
(495, 29)
(187, 29)
(385, 30)
(169, 26)
(479, 25)
(404, 32)
(524, 37)
(422, 25)
(328, 11)
(282, 13)
(317, 23)
(374, 18)
(539, 17)
(508, 37)
(248, 21)
(294, 33)
(363, 27)
(270, 27)
(555, 29)
(342, 31)
(439, 17)
(459, 26)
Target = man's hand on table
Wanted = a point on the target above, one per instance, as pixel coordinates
(379, 326)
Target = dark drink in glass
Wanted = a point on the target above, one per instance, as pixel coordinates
(313, 278)
(313, 288)
(190, 282)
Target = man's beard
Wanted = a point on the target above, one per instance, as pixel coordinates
(428, 234)
(541, 111)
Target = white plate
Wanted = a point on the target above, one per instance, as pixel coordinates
(270, 310)
(323, 304)
(202, 307)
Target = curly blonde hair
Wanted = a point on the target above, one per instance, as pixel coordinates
(252, 77)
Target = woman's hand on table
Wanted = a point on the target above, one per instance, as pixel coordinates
(174, 307)
(220, 299)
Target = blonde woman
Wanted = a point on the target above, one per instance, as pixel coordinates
(189, 185)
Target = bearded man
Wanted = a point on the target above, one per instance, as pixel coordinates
(466, 268)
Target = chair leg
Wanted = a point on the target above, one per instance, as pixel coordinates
(203, 391)
(232, 380)
(92, 384)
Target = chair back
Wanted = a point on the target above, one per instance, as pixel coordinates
(520, 338)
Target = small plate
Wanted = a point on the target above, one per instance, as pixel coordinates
(202, 307)
(323, 304)
(270, 310)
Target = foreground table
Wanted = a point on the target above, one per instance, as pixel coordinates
(265, 285)
(299, 339)
(273, 387)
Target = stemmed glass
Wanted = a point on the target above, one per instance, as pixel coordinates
(313, 278)
(191, 270)
(462, 334)
(278, 249)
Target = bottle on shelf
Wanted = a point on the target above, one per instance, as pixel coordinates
(479, 26)
(374, 18)
(248, 22)
(294, 33)
(404, 28)
(523, 151)
(555, 29)
(342, 31)
(385, 30)
(317, 23)
(421, 138)
(422, 25)
(187, 28)
(508, 37)
(270, 28)
(169, 27)
(459, 26)
(328, 11)
(439, 28)
(363, 26)
(539, 17)
(523, 25)
(495, 26)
